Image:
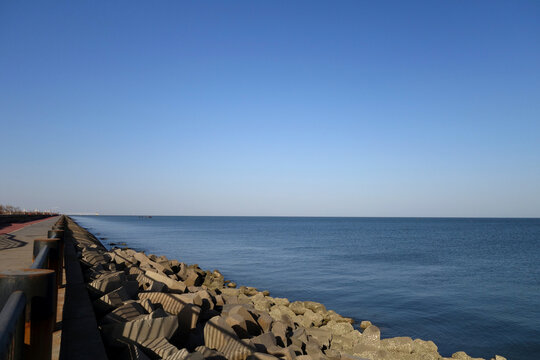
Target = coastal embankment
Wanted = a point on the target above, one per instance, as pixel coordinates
(149, 307)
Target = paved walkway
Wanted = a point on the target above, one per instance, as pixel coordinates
(16, 253)
(16, 247)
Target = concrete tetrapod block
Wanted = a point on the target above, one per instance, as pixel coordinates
(94, 257)
(332, 354)
(143, 259)
(158, 313)
(147, 305)
(210, 354)
(219, 300)
(287, 352)
(148, 284)
(106, 284)
(345, 356)
(261, 356)
(111, 300)
(183, 354)
(142, 331)
(265, 321)
(280, 330)
(220, 336)
(207, 299)
(188, 317)
(299, 337)
(246, 328)
(238, 324)
(228, 307)
(127, 312)
(159, 347)
(172, 303)
(173, 286)
(134, 270)
(133, 352)
(314, 351)
(121, 258)
(264, 342)
(323, 337)
(193, 278)
(237, 351)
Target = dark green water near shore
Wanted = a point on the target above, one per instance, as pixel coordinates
(466, 284)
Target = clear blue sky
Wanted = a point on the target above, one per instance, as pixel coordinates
(348, 108)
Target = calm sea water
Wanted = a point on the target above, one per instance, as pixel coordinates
(466, 284)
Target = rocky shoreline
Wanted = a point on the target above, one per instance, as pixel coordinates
(150, 307)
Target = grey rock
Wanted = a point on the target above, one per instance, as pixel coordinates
(315, 306)
(372, 333)
(340, 328)
(365, 324)
(421, 346)
(261, 302)
(397, 344)
(312, 319)
(280, 301)
(230, 292)
(277, 312)
(298, 307)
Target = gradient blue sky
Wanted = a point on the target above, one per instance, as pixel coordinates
(316, 108)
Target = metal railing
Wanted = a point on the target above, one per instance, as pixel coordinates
(28, 298)
(41, 260)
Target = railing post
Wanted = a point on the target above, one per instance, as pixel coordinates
(55, 259)
(58, 234)
(39, 286)
(55, 233)
(12, 326)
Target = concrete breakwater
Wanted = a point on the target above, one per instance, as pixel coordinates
(152, 307)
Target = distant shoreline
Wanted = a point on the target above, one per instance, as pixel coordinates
(324, 217)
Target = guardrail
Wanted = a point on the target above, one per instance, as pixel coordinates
(29, 298)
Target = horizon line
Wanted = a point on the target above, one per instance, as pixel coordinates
(315, 216)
